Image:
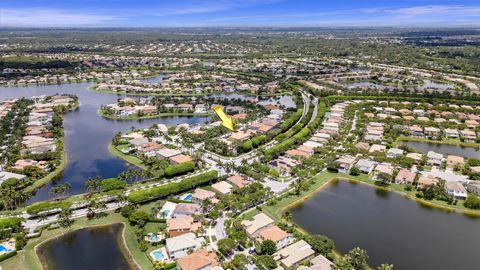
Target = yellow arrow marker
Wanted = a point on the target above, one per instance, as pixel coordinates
(226, 120)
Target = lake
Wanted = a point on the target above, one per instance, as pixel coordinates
(391, 228)
(87, 134)
(445, 149)
(91, 248)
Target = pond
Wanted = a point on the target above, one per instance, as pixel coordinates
(445, 149)
(391, 228)
(87, 134)
(91, 248)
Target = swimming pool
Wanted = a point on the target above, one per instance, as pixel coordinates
(153, 238)
(4, 249)
(187, 197)
(157, 255)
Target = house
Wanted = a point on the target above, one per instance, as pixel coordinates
(200, 195)
(426, 181)
(180, 159)
(365, 165)
(456, 190)
(417, 157)
(182, 225)
(405, 176)
(238, 181)
(222, 188)
(454, 161)
(416, 131)
(283, 165)
(258, 223)
(276, 235)
(186, 209)
(344, 163)
(394, 152)
(451, 133)
(434, 159)
(167, 153)
(294, 254)
(362, 146)
(198, 260)
(318, 263)
(7, 175)
(381, 170)
(474, 187)
(179, 246)
(292, 153)
(468, 135)
(377, 148)
(431, 132)
(137, 142)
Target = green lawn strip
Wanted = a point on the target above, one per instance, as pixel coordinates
(115, 150)
(52, 175)
(444, 141)
(27, 259)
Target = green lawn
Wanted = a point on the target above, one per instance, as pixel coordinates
(115, 150)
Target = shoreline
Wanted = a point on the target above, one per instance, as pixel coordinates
(161, 115)
(456, 142)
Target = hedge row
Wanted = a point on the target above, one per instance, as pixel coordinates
(45, 206)
(172, 188)
(8, 255)
(179, 169)
(300, 136)
(297, 127)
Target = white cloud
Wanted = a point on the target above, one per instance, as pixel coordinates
(43, 17)
(438, 9)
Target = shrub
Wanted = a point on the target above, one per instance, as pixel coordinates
(172, 188)
(112, 184)
(45, 206)
(179, 169)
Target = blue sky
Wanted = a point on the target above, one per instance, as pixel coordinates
(199, 13)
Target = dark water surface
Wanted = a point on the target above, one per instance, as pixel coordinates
(87, 134)
(445, 149)
(391, 228)
(91, 248)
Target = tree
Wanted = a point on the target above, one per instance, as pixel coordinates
(354, 171)
(226, 245)
(112, 184)
(92, 184)
(265, 262)
(239, 260)
(139, 218)
(65, 218)
(320, 243)
(268, 247)
(358, 258)
(385, 266)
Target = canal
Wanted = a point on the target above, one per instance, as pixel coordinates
(91, 248)
(445, 149)
(391, 228)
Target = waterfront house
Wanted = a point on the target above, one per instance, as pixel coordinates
(294, 254)
(318, 263)
(344, 163)
(276, 235)
(365, 165)
(417, 157)
(451, 133)
(456, 190)
(377, 148)
(381, 170)
(453, 161)
(405, 176)
(434, 159)
(181, 158)
(431, 132)
(416, 131)
(426, 181)
(258, 223)
(468, 135)
(474, 187)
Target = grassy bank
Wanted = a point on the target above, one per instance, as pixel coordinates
(28, 259)
(114, 150)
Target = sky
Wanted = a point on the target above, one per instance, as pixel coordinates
(239, 13)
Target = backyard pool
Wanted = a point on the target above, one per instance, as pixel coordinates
(186, 197)
(157, 255)
(4, 249)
